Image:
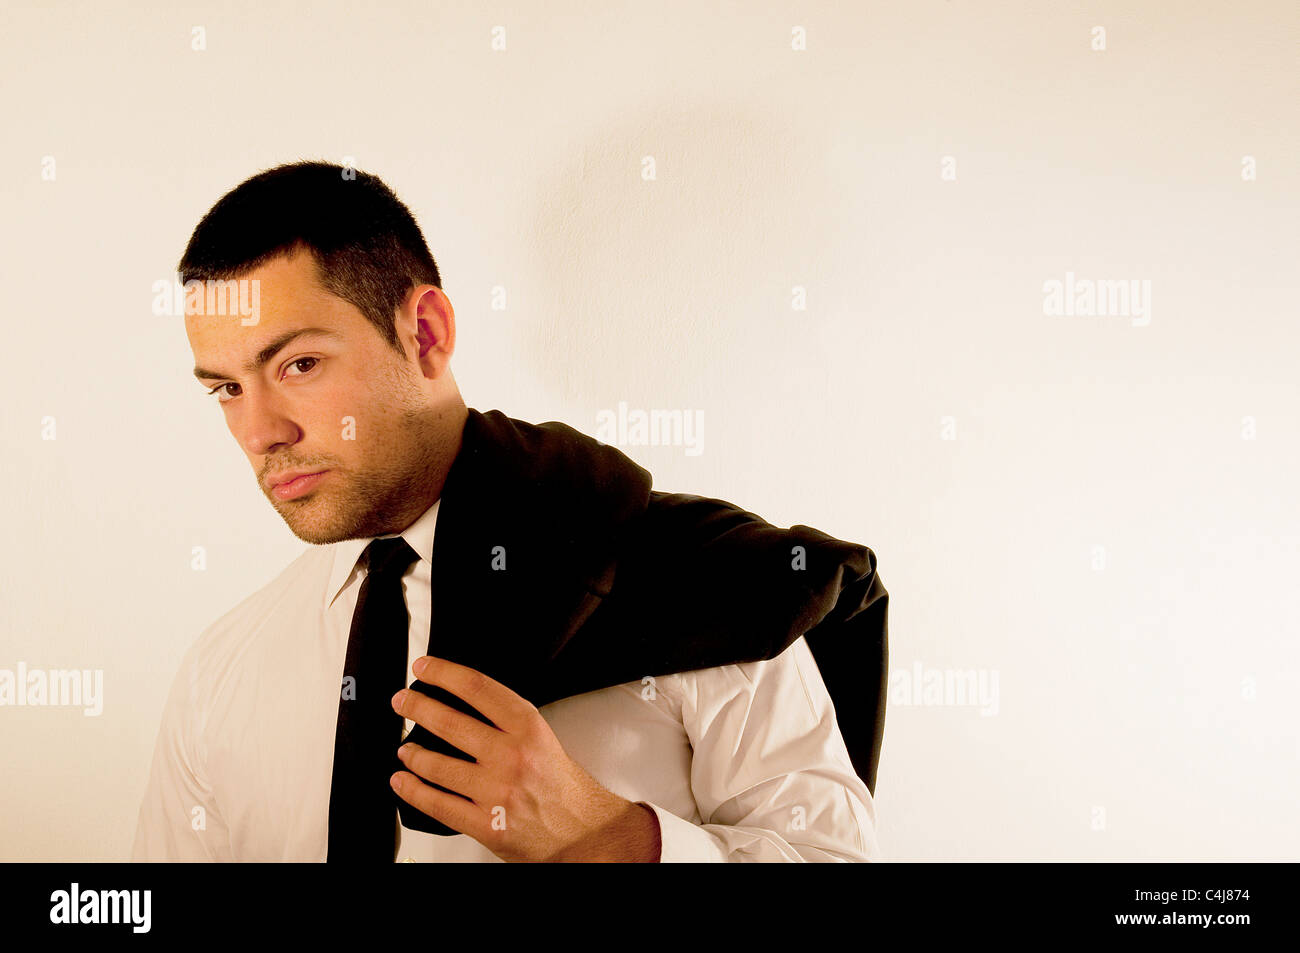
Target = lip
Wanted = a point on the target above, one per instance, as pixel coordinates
(297, 484)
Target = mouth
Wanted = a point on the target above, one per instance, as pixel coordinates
(298, 486)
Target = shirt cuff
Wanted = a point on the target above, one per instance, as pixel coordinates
(682, 842)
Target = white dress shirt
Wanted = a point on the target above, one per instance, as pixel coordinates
(739, 763)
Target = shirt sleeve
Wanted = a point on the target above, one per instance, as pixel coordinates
(770, 772)
(178, 819)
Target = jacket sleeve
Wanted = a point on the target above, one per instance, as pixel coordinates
(770, 772)
(700, 583)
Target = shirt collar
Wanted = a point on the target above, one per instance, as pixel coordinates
(419, 535)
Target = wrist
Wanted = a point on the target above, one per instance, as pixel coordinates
(630, 835)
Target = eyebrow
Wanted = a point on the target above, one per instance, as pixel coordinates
(255, 364)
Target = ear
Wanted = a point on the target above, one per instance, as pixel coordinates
(431, 321)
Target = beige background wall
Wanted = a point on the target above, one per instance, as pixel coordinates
(1097, 512)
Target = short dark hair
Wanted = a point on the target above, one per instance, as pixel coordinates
(366, 244)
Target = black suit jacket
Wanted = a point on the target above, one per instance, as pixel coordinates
(557, 570)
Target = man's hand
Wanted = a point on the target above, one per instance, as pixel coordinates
(530, 800)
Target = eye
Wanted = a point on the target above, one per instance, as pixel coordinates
(224, 396)
(217, 390)
(313, 360)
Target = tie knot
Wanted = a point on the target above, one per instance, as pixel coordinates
(389, 555)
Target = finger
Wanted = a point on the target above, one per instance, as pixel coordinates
(455, 774)
(463, 731)
(456, 812)
(506, 708)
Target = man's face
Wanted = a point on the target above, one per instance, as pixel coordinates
(336, 401)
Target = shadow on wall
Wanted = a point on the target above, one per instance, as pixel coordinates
(666, 254)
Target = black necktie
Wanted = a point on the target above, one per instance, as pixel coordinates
(363, 805)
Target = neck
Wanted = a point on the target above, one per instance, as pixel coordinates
(443, 444)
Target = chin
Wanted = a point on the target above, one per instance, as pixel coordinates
(314, 530)
(314, 535)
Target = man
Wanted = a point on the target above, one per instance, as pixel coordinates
(340, 393)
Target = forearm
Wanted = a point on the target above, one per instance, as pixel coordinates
(630, 836)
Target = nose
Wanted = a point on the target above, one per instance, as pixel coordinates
(264, 423)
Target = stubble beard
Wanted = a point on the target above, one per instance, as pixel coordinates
(384, 498)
